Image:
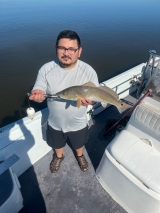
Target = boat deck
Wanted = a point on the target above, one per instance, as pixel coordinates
(70, 190)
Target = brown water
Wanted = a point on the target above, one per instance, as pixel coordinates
(116, 35)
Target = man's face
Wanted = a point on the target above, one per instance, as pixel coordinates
(68, 58)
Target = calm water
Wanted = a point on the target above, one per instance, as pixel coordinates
(116, 35)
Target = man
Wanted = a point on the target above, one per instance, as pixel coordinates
(65, 120)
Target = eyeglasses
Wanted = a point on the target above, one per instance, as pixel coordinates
(70, 50)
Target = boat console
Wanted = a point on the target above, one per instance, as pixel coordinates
(130, 167)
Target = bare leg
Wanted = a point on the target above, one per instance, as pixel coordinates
(79, 151)
(59, 152)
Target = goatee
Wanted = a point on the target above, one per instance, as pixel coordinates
(64, 64)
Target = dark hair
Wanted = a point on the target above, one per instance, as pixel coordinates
(69, 34)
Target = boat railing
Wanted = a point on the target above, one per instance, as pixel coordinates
(151, 62)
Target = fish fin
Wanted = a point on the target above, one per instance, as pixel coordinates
(109, 90)
(78, 102)
(123, 106)
(104, 104)
(90, 84)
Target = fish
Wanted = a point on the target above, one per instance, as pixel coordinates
(102, 94)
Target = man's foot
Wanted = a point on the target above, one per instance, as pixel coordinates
(55, 164)
(83, 164)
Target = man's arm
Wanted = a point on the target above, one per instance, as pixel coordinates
(37, 94)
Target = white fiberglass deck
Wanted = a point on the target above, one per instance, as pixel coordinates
(70, 189)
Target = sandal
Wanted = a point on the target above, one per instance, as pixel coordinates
(83, 164)
(55, 164)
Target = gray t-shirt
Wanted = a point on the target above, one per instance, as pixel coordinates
(52, 78)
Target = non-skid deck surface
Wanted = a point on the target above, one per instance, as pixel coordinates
(70, 190)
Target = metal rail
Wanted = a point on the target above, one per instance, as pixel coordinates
(134, 76)
(152, 56)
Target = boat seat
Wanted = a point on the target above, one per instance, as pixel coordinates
(6, 186)
(139, 157)
(145, 122)
(10, 196)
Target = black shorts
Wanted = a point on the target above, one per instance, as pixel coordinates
(57, 139)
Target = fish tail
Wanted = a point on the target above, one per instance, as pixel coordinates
(123, 106)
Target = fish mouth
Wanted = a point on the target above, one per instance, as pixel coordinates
(57, 96)
(53, 96)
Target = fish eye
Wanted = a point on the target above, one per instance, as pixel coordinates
(121, 104)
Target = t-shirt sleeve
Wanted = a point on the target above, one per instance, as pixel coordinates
(41, 83)
(93, 76)
(95, 79)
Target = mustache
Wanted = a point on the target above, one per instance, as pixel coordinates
(66, 57)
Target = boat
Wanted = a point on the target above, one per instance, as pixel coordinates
(124, 158)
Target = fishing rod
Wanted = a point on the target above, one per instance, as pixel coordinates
(30, 111)
(130, 110)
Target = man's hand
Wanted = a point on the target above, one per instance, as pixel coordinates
(37, 95)
(86, 102)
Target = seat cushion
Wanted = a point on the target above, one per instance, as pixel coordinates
(149, 117)
(138, 157)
